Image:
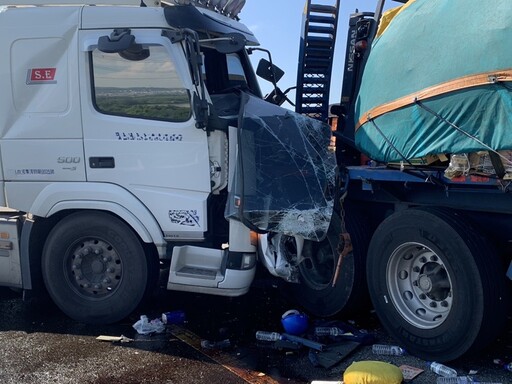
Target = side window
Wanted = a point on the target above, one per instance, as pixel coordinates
(222, 72)
(236, 72)
(148, 89)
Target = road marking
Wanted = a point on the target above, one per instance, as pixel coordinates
(231, 363)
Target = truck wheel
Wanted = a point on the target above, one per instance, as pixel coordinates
(436, 284)
(315, 292)
(94, 268)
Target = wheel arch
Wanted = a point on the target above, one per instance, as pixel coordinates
(58, 198)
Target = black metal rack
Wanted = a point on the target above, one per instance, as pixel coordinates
(316, 56)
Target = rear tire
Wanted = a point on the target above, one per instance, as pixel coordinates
(436, 284)
(94, 267)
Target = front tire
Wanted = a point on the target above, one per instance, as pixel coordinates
(436, 284)
(94, 267)
(316, 293)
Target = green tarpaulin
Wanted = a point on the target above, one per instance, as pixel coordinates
(438, 80)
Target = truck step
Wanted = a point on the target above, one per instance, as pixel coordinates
(198, 266)
(198, 273)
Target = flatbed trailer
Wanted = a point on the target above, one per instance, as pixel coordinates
(432, 250)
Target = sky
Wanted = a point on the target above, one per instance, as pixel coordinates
(278, 25)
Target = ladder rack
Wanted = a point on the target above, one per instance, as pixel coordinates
(316, 55)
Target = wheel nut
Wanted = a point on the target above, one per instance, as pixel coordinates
(106, 281)
(97, 251)
(433, 304)
(97, 286)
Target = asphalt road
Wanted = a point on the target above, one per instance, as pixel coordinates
(38, 344)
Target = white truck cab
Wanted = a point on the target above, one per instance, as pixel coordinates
(136, 136)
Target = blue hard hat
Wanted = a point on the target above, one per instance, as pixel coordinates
(294, 322)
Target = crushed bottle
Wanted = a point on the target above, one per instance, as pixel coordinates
(268, 336)
(392, 350)
(328, 331)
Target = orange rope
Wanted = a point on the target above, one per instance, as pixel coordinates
(437, 90)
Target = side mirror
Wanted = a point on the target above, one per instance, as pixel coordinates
(269, 72)
(122, 42)
(119, 40)
(135, 53)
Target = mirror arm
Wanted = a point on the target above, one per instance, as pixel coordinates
(191, 38)
(215, 39)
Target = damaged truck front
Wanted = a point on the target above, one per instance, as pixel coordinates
(135, 138)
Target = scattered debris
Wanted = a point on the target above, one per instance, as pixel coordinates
(294, 322)
(222, 344)
(332, 354)
(144, 327)
(410, 372)
(122, 338)
(375, 372)
(174, 317)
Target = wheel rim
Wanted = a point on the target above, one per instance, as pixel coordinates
(93, 268)
(419, 285)
(317, 268)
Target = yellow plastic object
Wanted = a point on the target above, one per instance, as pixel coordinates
(389, 15)
(372, 372)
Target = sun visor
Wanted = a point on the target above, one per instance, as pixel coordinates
(205, 21)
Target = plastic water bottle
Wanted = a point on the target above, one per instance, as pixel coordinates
(328, 331)
(393, 350)
(461, 380)
(268, 336)
(441, 369)
(454, 380)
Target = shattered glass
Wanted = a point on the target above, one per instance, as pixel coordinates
(285, 172)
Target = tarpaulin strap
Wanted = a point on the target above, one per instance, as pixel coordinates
(347, 248)
(470, 81)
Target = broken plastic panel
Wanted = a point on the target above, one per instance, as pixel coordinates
(285, 172)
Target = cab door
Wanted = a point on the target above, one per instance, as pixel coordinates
(139, 130)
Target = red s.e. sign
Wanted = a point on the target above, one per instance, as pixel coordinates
(41, 76)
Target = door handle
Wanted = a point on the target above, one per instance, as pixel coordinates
(102, 162)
